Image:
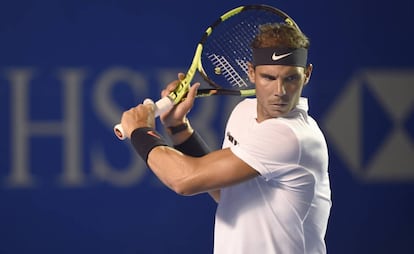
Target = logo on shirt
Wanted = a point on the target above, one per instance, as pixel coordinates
(231, 139)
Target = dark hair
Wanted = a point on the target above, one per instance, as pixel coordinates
(280, 35)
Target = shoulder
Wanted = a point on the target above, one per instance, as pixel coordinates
(273, 140)
(246, 105)
(243, 112)
(276, 133)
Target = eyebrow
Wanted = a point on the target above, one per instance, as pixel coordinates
(270, 76)
(274, 77)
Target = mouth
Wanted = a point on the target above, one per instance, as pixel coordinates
(279, 104)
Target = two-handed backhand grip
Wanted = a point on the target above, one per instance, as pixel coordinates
(161, 106)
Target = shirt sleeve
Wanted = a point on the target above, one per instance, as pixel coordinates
(272, 149)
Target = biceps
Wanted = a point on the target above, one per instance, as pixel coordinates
(221, 169)
(189, 175)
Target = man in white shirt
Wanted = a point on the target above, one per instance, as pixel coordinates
(270, 179)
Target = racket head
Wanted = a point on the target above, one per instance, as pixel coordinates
(226, 48)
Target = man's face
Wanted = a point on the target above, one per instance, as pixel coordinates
(278, 88)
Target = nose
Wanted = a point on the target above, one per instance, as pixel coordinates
(279, 88)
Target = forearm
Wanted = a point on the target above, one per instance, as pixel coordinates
(195, 146)
(188, 175)
(187, 140)
(181, 135)
(170, 165)
(176, 170)
(190, 142)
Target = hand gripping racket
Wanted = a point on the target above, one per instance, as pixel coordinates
(222, 55)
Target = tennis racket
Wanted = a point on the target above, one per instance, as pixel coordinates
(222, 55)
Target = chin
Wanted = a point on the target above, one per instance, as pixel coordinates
(277, 114)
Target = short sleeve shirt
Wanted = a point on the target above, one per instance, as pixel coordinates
(286, 208)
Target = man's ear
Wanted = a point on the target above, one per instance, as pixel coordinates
(308, 73)
(250, 72)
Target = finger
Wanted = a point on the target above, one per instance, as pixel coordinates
(192, 93)
(181, 76)
(169, 88)
(172, 85)
(150, 105)
(148, 101)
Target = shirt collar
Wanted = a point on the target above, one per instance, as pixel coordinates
(301, 108)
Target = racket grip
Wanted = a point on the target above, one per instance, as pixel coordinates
(161, 106)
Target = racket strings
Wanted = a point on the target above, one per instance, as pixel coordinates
(222, 65)
(229, 55)
(227, 51)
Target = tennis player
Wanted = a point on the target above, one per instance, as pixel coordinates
(270, 179)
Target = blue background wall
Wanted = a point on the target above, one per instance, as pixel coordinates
(69, 68)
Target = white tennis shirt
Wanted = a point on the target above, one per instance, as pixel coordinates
(285, 209)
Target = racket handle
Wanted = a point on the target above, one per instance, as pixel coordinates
(161, 106)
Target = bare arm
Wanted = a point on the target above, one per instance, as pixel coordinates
(177, 116)
(184, 174)
(188, 175)
(190, 143)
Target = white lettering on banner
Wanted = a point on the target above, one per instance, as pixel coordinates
(394, 158)
(110, 113)
(72, 166)
(19, 174)
(23, 129)
(69, 128)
